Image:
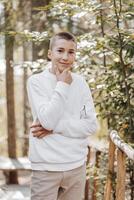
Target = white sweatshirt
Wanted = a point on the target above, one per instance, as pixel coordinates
(66, 109)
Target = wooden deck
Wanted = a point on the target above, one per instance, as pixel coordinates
(15, 192)
(11, 164)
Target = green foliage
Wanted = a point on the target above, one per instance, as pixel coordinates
(107, 60)
(105, 56)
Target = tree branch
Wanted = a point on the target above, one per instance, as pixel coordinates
(121, 59)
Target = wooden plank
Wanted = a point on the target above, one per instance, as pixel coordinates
(121, 175)
(15, 192)
(111, 156)
(9, 164)
(127, 149)
(87, 179)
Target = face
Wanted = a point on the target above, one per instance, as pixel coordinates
(62, 54)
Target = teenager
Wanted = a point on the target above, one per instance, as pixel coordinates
(64, 117)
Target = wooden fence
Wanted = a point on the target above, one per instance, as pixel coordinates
(118, 151)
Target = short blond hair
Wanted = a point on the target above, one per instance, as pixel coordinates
(62, 35)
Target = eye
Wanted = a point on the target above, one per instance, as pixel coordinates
(60, 50)
(71, 52)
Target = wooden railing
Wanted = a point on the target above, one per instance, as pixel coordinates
(118, 151)
(92, 162)
(123, 150)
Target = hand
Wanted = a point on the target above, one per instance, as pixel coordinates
(65, 76)
(38, 131)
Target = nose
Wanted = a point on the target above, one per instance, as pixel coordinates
(65, 56)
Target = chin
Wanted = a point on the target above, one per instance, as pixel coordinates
(61, 69)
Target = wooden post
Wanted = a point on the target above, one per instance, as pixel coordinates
(121, 174)
(87, 189)
(87, 179)
(95, 176)
(111, 157)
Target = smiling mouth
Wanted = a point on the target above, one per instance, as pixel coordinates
(64, 63)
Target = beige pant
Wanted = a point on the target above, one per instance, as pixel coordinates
(68, 185)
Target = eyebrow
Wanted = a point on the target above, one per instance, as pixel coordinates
(63, 49)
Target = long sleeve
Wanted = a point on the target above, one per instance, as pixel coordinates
(86, 125)
(48, 111)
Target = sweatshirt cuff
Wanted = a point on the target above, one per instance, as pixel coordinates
(62, 88)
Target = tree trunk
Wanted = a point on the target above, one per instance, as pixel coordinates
(9, 42)
(25, 111)
(27, 55)
(38, 24)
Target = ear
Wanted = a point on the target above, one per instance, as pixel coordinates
(49, 54)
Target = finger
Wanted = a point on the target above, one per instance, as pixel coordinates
(67, 69)
(57, 71)
(69, 72)
(37, 129)
(43, 135)
(38, 133)
(35, 125)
